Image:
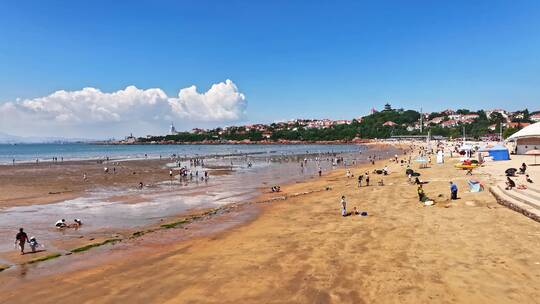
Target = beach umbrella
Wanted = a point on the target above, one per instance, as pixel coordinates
(533, 152)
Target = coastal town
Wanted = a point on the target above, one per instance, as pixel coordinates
(492, 124)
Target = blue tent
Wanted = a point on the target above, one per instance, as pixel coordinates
(499, 153)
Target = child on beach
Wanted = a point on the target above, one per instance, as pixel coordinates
(33, 243)
(76, 223)
(453, 191)
(60, 224)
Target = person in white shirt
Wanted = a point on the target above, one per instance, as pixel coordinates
(343, 206)
(60, 223)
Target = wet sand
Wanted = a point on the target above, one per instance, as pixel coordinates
(45, 183)
(301, 250)
(111, 206)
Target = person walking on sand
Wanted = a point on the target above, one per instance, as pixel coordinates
(453, 191)
(343, 206)
(21, 238)
(360, 177)
(367, 179)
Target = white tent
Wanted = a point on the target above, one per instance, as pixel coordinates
(527, 138)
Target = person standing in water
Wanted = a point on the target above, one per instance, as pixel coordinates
(21, 238)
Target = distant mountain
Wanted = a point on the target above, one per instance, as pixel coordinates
(12, 139)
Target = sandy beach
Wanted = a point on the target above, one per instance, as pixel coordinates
(300, 249)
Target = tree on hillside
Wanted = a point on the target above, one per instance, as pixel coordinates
(508, 132)
(481, 115)
(496, 118)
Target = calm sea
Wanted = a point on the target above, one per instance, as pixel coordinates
(45, 152)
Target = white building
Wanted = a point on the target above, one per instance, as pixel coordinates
(526, 139)
(535, 117)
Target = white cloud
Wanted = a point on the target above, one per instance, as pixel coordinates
(98, 113)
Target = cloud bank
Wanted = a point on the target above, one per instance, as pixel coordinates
(91, 112)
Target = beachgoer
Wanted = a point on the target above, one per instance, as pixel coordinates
(360, 177)
(77, 222)
(509, 183)
(84, 176)
(141, 185)
(453, 191)
(385, 170)
(60, 224)
(528, 179)
(381, 182)
(367, 179)
(348, 173)
(21, 238)
(523, 168)
(421, 193)
(33, 243)
(343, 206)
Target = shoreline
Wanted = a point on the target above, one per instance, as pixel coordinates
(91, 237)
(140, 156)
(302, 250)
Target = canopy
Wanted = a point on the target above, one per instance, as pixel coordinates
(529, 131)
(499, 153)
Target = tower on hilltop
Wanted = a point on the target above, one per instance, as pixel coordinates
(172, 129)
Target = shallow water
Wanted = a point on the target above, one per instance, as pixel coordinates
(45, 152)
(101, 210)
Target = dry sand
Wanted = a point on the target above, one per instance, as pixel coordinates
(301, 250)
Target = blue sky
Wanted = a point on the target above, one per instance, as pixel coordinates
(290, 59)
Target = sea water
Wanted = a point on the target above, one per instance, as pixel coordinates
(82, 151)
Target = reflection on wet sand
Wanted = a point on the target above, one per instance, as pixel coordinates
(108, 210)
